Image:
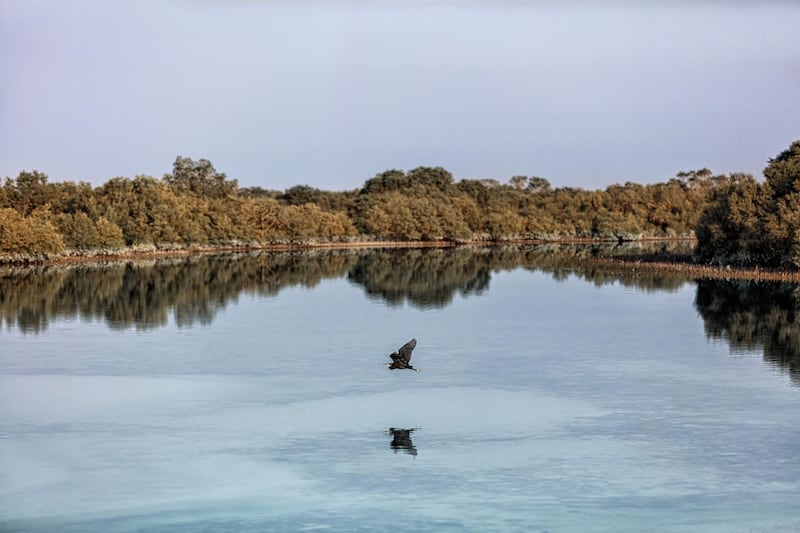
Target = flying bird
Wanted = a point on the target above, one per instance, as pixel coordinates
(402, 357)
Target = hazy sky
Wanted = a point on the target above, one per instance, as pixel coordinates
(328, 93)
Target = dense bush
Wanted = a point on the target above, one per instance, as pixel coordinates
(753, 223)
(736, 218)
(32, 235)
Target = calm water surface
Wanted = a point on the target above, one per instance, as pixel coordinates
(247, 394)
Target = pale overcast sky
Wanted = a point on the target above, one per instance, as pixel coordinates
(329, 93)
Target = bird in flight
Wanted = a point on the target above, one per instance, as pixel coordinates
(402, 357)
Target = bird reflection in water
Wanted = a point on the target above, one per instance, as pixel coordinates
(401, 441)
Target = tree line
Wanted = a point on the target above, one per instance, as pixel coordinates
(734, 217)
(755, 223)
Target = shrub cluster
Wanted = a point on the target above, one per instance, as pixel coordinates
(752, 223)
(735, 218)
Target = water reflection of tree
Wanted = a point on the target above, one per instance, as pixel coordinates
(563, 262)
(144, 294)
(429, 278)
(426, 278)
(752, 316)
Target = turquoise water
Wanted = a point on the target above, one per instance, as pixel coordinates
(548, 401)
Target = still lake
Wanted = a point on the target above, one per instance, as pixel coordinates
(247, 393)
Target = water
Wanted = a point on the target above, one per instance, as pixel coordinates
(247, 394)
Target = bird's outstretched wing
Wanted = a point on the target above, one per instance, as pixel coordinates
(406, 349)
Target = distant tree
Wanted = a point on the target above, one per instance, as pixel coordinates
(695, 178)
(70, 197)
(109, 235)
(32, 235)
(470, 212)
(532, 184)
(260, 216)
(518, 182)
(149, 211)
(200, 177)
(476, 190)
(6, 187)
(504, 225)
(750, 223)
(258, 192)
(389, 180)
(782, 213)
(436, 177)
(538, 185)
(29, 191)
(77, 230)
(694, 174)
(300, 194)
(783, 171)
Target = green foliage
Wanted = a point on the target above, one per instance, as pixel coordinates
(310, 223)
(396, 180)
(750, 223)
(69, 197)
(735, 218)
(83, 234)
(272, 222)
(300, 194)
(418, 214)
(730, 228)
(390, 180)
(258, 192)
(77, 230)
(435, 177)
(109, 235)
(32, 235)
(27, 192)
(476, 191)
(200, 178)
(145, 209)
(783, 172)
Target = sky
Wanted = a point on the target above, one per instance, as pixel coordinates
(331, 93)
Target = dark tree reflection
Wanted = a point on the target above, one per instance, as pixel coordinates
(191, 291)
(425, 278)
(749, 316)
(145, 294)
(754, 316)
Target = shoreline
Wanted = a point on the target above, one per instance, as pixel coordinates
(695, 271)
(153, 252)
(627, 266)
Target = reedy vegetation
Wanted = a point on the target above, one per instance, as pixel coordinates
(735, 218)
